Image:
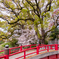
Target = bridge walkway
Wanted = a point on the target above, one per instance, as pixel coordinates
(27, 57)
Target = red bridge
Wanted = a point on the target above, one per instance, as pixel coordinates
(7, 53)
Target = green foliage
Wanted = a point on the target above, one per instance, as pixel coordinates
(1, 42)
(46, 42)
(42, 13)
(51, 9)
(13, 42)
(26, 4)
(22, 11)
(12, 6)
(29, 22)
(8, 43)
(30, 27)
(58, 2)
(36, 22)
(16, 18)
(22, 22)
(54, 34)
(36, 17)
(47, 14)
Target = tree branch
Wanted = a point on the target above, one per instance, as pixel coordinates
(17, 4)
(33, 7)
(49, 4)
(22, 19)
(17, 20)
(38, 8)
(7, 6)
(4, 19)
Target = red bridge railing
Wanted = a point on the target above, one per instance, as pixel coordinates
(20, 49)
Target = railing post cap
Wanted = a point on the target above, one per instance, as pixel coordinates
(6, 46)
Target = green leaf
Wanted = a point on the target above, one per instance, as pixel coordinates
(42, 13)
(16, 18)
(58, 2)
(24, 10)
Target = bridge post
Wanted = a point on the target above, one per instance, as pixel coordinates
(6, 51)
(47, 48)
(30, 46)
(24, 54)
(56, 47)
(38, 49)
(21, 48)
(51, 47)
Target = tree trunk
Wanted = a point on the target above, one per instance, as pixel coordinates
(38, 41)
(43, 36)
(43, 41)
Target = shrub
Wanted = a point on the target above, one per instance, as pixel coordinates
(8, 43)
(1, 42)
(46, 42)
(13, 42)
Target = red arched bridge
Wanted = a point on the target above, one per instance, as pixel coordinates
(27, 51)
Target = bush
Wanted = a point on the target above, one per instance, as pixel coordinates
(8, 43)
(46, 42)
(14, 42)
(1, 42)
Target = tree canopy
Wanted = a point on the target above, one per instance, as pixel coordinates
(19, 13)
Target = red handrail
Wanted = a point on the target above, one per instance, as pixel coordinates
(20, 49)
(1, 52)
(3, 57)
